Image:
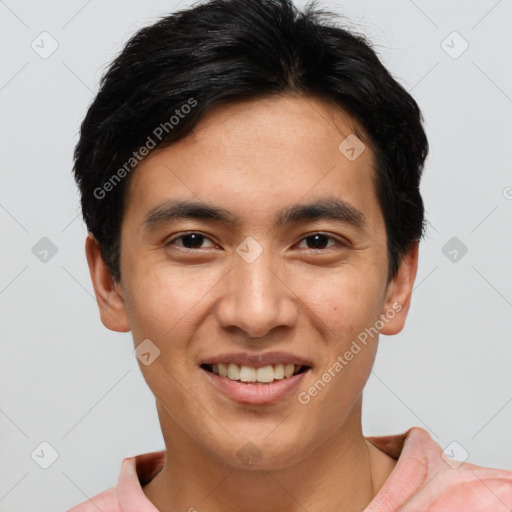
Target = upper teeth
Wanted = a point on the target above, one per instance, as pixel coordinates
(251, 374)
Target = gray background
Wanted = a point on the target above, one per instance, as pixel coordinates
(68, 381)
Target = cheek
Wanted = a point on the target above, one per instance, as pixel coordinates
(346, 300)
(165, 300)
(348, 304)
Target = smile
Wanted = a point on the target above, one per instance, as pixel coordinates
(250, 374)
(256, 380)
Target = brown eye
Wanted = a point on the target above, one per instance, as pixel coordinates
(191, 241)
(318, 241)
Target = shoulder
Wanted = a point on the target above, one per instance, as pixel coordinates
(106, 502)
(475, 488)
(135, 472)
(426, 480)
(452, 484)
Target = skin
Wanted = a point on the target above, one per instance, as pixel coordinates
(254, 159)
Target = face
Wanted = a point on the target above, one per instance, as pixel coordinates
(256, 247)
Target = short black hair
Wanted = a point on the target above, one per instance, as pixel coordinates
(172, 72)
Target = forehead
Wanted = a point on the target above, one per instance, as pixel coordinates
(266, 152)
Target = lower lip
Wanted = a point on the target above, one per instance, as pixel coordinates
(256, 394)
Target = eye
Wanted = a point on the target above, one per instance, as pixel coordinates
(191, 241)
(319, 241)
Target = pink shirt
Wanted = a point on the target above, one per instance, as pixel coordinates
(422, 481)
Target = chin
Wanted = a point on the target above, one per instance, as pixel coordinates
(264, 452)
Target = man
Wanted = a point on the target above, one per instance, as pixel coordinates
(250, 182)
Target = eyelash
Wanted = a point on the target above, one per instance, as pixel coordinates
(339, 242)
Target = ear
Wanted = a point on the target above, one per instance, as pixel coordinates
(108, 292)
(398, 294)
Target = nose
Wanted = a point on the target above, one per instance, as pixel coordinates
(256, 299)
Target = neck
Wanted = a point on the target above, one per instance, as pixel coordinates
(343, 473)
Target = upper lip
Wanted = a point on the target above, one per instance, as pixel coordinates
(257, 360)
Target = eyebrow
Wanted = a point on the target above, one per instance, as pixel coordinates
(329, 208)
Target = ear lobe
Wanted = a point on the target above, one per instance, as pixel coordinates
(398, 295)
(108, 294)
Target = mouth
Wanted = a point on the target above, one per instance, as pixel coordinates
(256, 380)
(264, 375)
